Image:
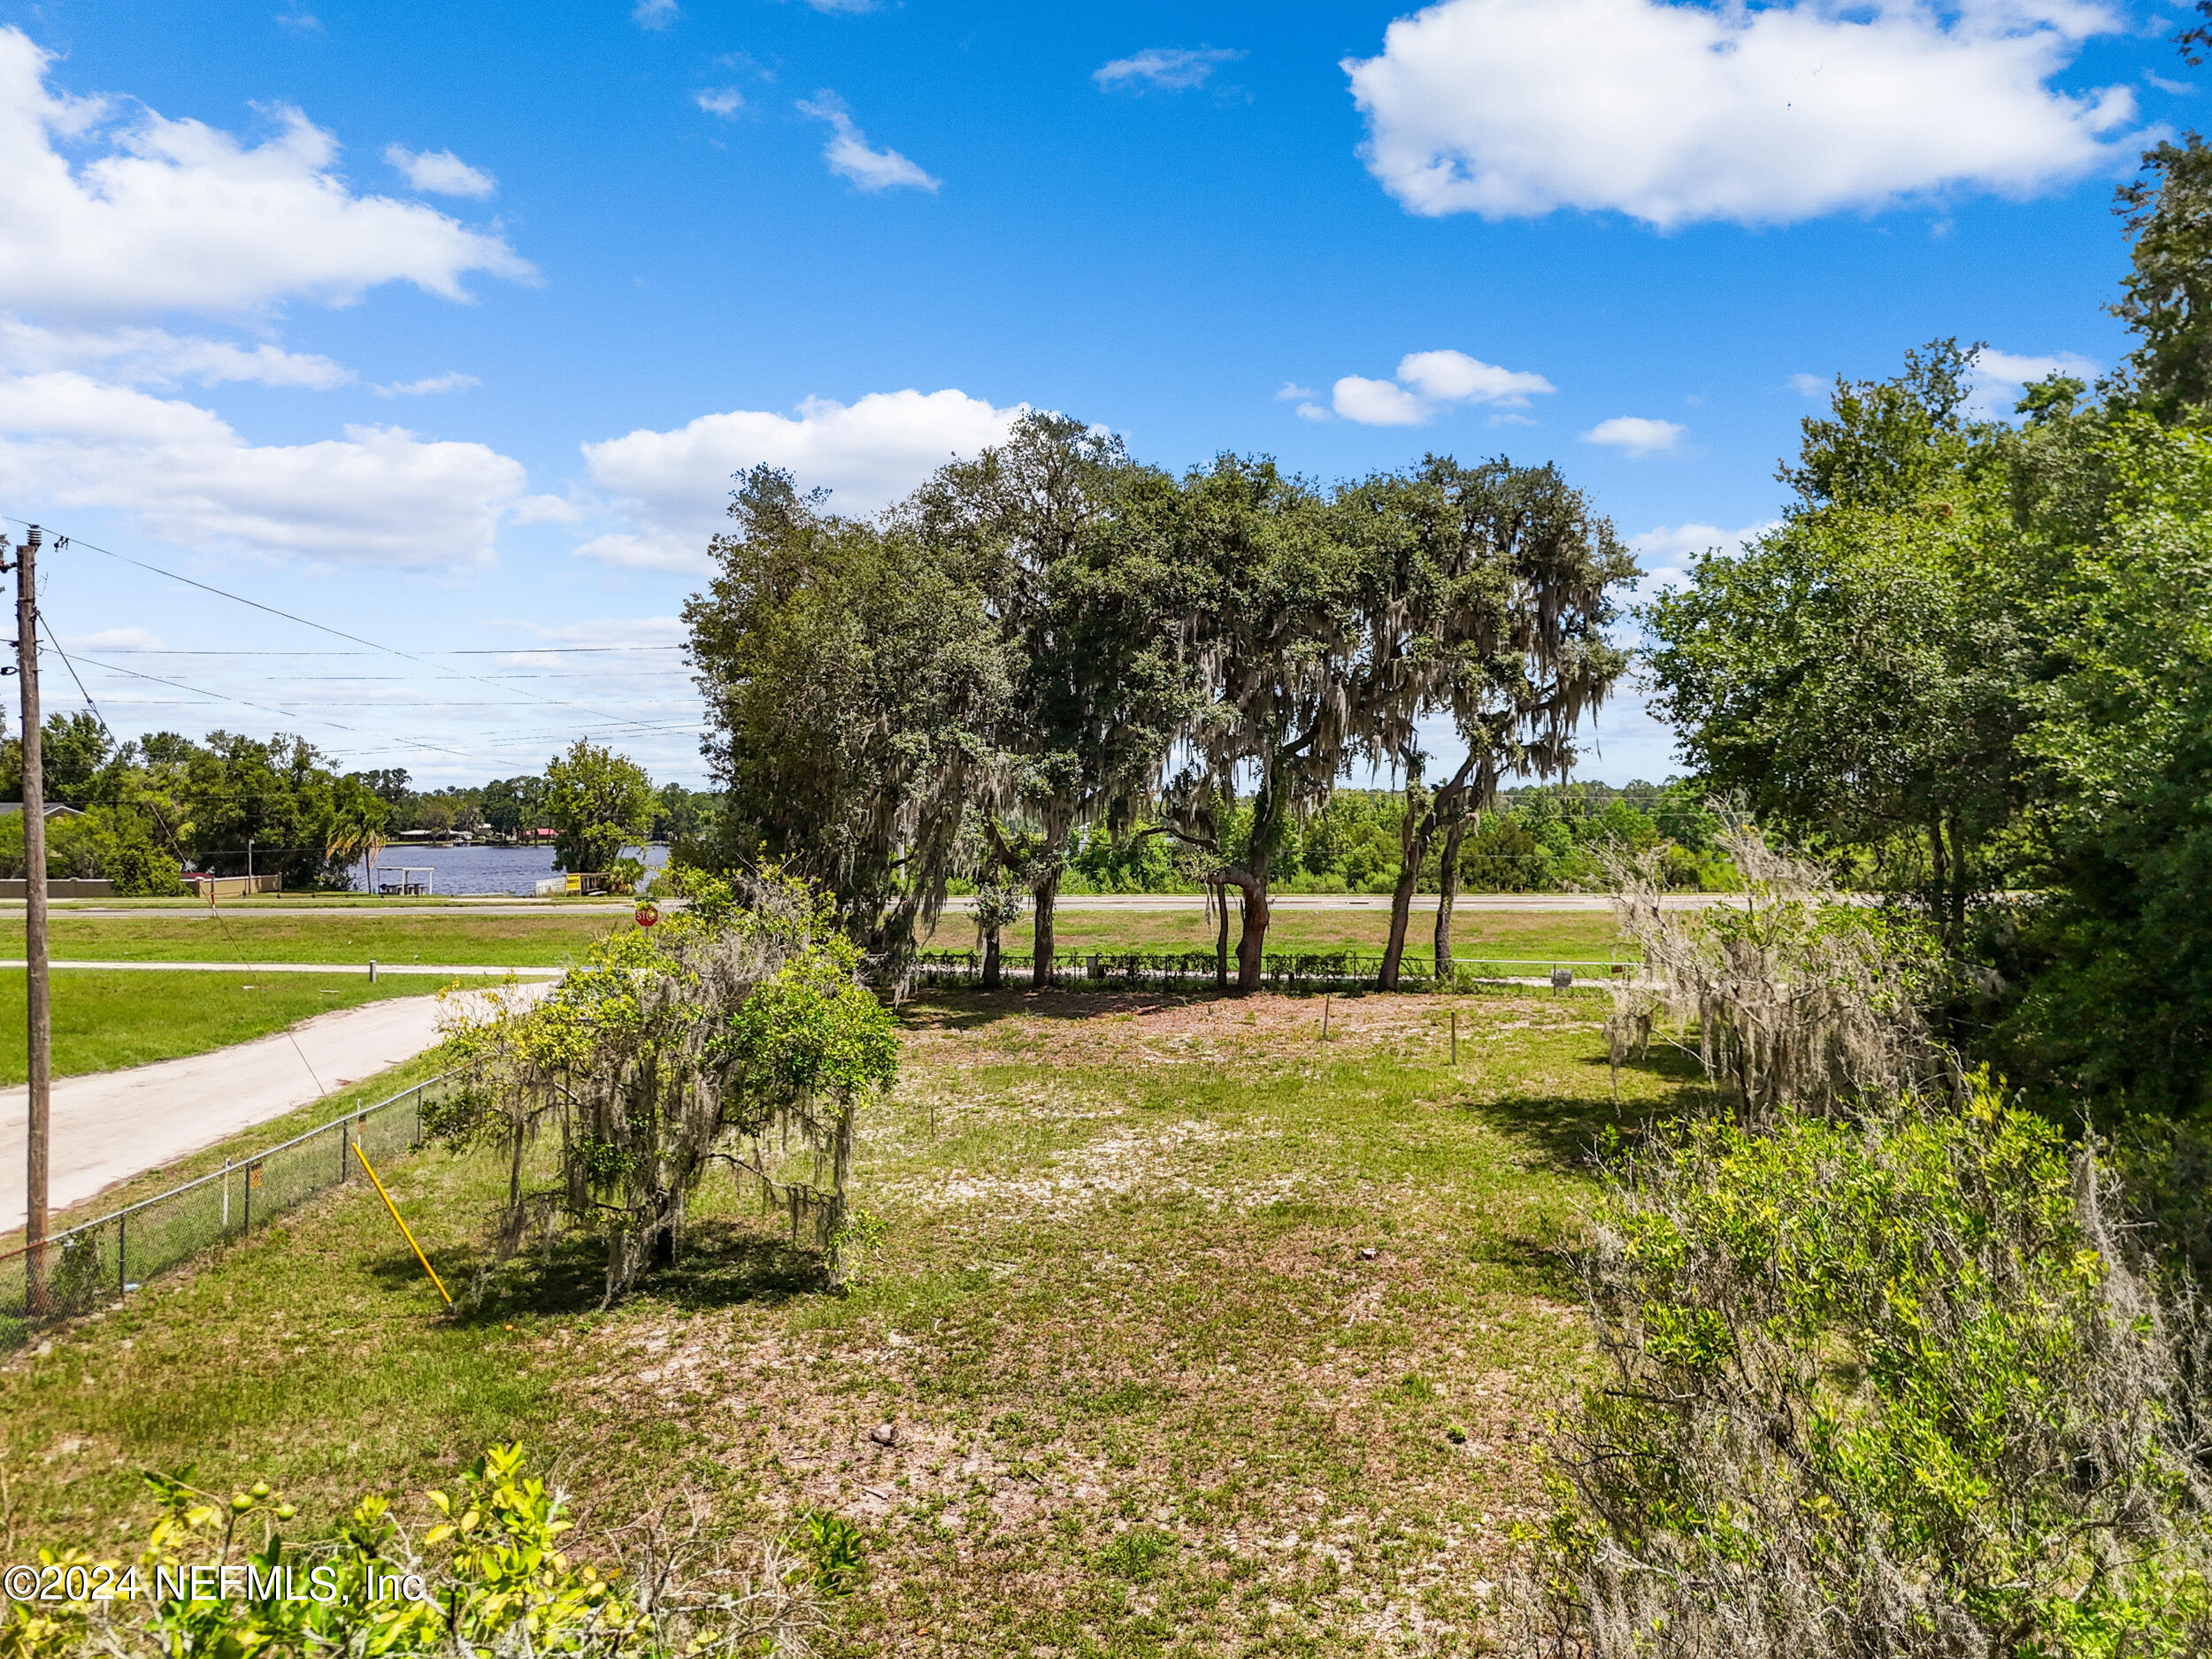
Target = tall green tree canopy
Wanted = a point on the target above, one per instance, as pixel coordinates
(1976, 658)
(1073, 544)
(1503, 586)
(854, 682)
(230, 795)
(1295, 615)
(599, 802)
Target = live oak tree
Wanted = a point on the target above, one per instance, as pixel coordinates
(854, 679)
(1069, 538)
(1506, 575)
(1294, 602)
(734, 1029)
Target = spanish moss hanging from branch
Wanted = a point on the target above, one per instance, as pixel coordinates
(735, 1033)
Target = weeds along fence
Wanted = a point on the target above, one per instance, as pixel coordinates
(1291, 971)
(97, 1263)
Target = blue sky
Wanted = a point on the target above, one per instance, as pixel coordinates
(445, 326)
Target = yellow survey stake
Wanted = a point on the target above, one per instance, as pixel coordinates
(397, 1217)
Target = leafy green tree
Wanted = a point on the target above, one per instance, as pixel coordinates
(717, 1038)
(2166, 297)
(1507, 598)
(1285, 589)
(1854, 677)
(854, 682)
(75, 750)
(1071, 540)
(2118, 1009)
(681, 814)
(301, 819)
(599, 802)
(513, 808)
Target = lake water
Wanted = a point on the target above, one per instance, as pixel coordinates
(465, 871)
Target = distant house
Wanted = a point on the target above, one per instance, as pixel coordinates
(54, 810)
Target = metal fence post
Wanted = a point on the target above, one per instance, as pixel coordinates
(123, 1254)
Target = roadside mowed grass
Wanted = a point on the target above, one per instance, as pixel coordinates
(106, 1019)
(1515, 935)
(238, 935)
(1197, 1334)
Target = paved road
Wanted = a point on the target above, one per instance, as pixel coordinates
(449, 970)
(110, 1126)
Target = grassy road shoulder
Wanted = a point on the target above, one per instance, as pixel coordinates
(342, 936)
(106, 1020)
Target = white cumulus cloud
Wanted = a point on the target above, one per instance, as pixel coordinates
(153, 357)
(1453, 377)
(439, 172)
(654, 14)
(1378, 403)
(673, 488)
(378, 496)
(147, 214)
(1164, 68)
(723, 101)
(1635, 435)
(1428, 382)
(1678, 112)
(850, 156)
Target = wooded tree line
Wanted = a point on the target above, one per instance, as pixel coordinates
(1054, 637)
(160, 803)
(1974, 665)
(514, 808)
(1544, 838)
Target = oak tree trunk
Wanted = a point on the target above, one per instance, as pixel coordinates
(1413, 835)
(1447, 891)
(1252, 941)
(1045, 895)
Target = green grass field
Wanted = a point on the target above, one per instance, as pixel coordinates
(1587, 935)
(230, 934)
(1153, 1394)
(554, 936)
(104, 1020)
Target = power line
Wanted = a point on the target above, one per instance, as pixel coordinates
(484, 650)
(289, 714)
(229, 938)
(321, 628)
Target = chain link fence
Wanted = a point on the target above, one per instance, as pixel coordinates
(1280, 971)
(98, 1262)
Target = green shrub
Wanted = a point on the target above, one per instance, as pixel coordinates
(497, 1579)
(1885, 1387)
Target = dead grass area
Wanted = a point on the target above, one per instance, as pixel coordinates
(1190, 1334)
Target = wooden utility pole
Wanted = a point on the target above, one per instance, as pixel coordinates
(41, 1024)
